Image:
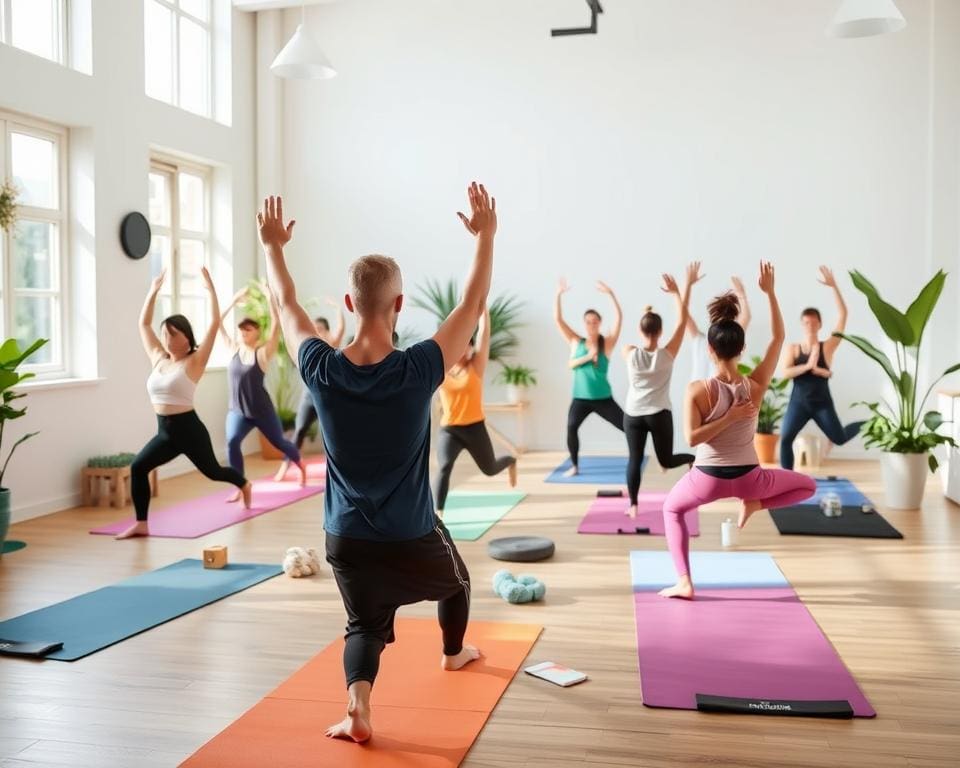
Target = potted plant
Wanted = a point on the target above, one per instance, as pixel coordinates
(8, 206)
(517, 378)
(901, 429)
(772, 408)
(10, 359)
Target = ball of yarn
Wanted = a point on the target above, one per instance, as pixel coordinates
(522, 589)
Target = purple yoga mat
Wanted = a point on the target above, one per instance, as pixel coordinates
(197, 517)
(606, 515)
(759, 644)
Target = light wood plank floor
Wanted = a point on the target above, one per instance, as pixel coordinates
(892, 609)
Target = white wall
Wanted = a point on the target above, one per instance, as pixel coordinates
(721, 130)
(114, 126)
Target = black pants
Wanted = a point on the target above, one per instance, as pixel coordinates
(474, 439)
(182, 433)
(579, 410)
(376, 577)
(306, 417)
(636, 428)
(824, 415)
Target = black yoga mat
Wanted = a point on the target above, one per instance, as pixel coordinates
(807, 520)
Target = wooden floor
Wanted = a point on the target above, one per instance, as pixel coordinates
(891, 608)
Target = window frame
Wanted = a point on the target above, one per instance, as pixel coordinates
(61, 31)
(61, 352)
(208, 26)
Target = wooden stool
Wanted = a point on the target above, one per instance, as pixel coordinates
(105, 486)
(806, 449)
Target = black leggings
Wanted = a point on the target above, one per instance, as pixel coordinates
(182, 433)
(377, 577)
(636, 428)
(579, 410)
(474, 439)
(306, 417)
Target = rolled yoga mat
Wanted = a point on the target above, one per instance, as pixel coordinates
(12, 546)
(849, 493)
(745, 643)
(606, 514)
(595, 470)
(805, 520)
(198, 517)
(470, 515)
(422, 716)
(90, 622)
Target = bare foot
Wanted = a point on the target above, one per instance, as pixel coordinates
(303, 474)
(453, 663)
(247, 492)
(236, 497)
(139, 528)
(748, 508)
(281, 473)
(355, 726)
(512, 474)
(631, 511)
(440, 513)
(683, 589)
(573, 471)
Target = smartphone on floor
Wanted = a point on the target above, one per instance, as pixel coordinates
(556, 674)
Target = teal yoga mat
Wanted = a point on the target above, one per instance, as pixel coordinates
(470, 515)
(92, 621)
(13, 546)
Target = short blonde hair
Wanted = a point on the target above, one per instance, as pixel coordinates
(375, 282)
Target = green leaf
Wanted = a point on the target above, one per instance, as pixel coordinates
(893, 322)
(918, 313)
(932, 420)
(906, 386)
(9, 351)
(932, 462)
(7, 379)
(874, 354)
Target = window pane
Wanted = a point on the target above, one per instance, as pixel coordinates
(34, 170)
(195, 308)
(163, 308)
(34, 320)
(198, 8)
(160, 259)
(192, 203)
(158, 51)
(33, 27)
(160, 199)
(34, 250)
(191, 262)
(194, 67)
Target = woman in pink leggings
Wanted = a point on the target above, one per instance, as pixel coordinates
(721, 420)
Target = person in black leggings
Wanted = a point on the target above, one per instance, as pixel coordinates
(590, 360)
(178, 364)
(809, 364)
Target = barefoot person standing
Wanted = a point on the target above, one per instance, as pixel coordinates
(384, 542)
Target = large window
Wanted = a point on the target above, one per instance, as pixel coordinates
(180, 222)
(178, 53)
(37, 26)
(32, 291)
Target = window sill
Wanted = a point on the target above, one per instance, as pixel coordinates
(35, 385)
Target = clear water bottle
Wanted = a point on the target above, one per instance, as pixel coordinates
(831, 505)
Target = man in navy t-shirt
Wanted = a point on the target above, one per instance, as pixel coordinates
(384, 542)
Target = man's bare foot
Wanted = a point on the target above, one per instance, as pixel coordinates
(281, 473)
(236, 497)
(303, 473)
(512, 474)
(355, 726)
(247, 492)
(748, 508)
(453, 663)
(631, 511)
(683, 589)
(139, 528)
(573, 471)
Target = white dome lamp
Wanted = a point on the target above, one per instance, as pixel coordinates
(301, 58)
(865, 18)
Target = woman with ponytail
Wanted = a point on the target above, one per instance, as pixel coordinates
(647, 408)
(720, 419)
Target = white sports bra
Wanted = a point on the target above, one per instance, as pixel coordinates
(171, 388)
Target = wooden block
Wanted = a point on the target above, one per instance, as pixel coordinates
(215, 556)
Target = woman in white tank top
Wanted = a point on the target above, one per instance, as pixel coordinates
(720, 419)
(178, 363)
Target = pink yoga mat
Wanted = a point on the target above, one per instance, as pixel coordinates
(197, 517)
(606, 515)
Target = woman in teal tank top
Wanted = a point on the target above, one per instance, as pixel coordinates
(590, 360)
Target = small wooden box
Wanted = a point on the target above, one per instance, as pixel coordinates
(215, 557)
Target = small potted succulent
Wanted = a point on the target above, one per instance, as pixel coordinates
(518, 379)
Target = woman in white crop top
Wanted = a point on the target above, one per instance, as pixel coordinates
(646, 408)
(720, 419)
(178, 363)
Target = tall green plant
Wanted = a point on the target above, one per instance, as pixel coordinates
(903, 427)
(10, 359)
(774, 403)
(440, 299)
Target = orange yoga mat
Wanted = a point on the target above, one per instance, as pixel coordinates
(422, 716)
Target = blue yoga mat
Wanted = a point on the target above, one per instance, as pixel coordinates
(849, 494)
(595, 470)
(652, 571)
(90, 622)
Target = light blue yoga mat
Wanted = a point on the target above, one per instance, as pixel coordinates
(470, 515)
(650, 571)
(87, 623)
(595, 470)
(849, 494)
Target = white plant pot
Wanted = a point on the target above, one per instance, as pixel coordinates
(515, 394)
(904, 478)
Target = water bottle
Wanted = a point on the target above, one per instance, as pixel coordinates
(728, 533)
(831, 505)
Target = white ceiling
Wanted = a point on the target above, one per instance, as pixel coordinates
(265, 5)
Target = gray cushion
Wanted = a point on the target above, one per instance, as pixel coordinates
(521, 549)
